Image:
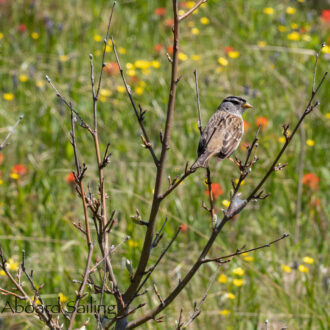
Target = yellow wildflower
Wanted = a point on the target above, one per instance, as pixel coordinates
(225, 203)
(294, 36)
(23, 78)
(230, 295)
(195, 57)
(191, 23)
(269, 11)
(139, 90)
(108, 49)
(12, 265)
(62, 297)
(327, 115)
(155, 64)
(132, 243)
(286, 268)
(310, 142)
(223, 61)
(40, 83)
(8, 96)
(131, 72)
(242, 182)
(181, 12)
(64, 58)
(121, 89)
(303, 269)
(102, 98)
(281, 139)
(281, 28)
(308, 260)
(35, 35)
(182, 56)
(224, 312)
(306, 37)
(97, 38)
(195, 31)
(141, 64)
(222, 278)
(105, 92)
(248, 258)
(238, 282)
(326, 49)
(14, 176)
(262, 43)
(130, 66)
(1, 35)
(37, 302)
(294, 26)
(190, 4)
(122, 50)
(146, 71)
(233, 54)
(2, 273)
(301, 1)
(291, 10)
(238, 271)
(204, 20)
(1, 182)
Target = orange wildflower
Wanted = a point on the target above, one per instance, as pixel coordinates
(246, 125)
(170, 49)
(70, 178)
(19, 169)
(229, 49)
(263, 121)
(169, 22)
(311, 180)
(183, 228)
(160, 11)
(216, 190)
(112, 68)
(158, 47)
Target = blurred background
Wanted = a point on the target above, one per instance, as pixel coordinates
(262, 51)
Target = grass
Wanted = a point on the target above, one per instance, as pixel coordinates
(271, 71)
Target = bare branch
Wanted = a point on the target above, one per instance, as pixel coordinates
(191, 10)
(198, 104)
(11, 131)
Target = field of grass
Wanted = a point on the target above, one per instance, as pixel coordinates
(263, 52)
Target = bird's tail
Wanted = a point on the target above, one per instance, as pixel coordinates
(202, 161)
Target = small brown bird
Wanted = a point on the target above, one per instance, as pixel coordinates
(223, 132)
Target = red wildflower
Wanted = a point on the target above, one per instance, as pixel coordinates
(263, 121)
(1, 158)
(216, 190)
(229, 49)
(169, 22)
(183, 4)
(22, 28)
(70, 178)
(170, 49)
(112, 68)
(19, 169)
(246, 125)
(158, 47)
(183, 227)
(160, 11)
(311, 180)
(326, 15)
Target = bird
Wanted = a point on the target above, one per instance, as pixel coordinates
(223, 132)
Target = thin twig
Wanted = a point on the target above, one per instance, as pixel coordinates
(191, 10)
(198, 104)
(11, 131)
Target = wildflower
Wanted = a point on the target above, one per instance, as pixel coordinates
(229, 49)
(141, 64)
(182, 56)
(306, 37)
(19, 169)
(326, 49)
(224, 312)
(146, 71)
(230, 295)
(169, 22)
(325, 15)
(36, 300)
(248, 258)
(122, 50)
(310, 142)
(2, 273)
(183, 228)
(121, 89)
(12, 265)
(263, 122)
(238, 282)
(237, 180)
(160, 11)
(269, 11)
(286, 268)
(132, 243)
(112, 68)
(108, 49)
(281, 28)
(158, 47)
(14, 176)
(170, 49)
(216, 190)
(311, 180)
(70, 178)
(222, 278)
(190, 4)
(294, 36)
(281, 139)
(327, 115)
(291, 10)
(303, 269)
(62, 297)
(1, 35)
(225, 203)
(294, 26)
(130, 66)
(222, 61)
(97, 38)
(155, 64)
(308, 260)
(233, 54)
(181, 12)
(105, 92)
(195, 31)
(262, 44)
(139, 90)
(23, 78)
(22, 28)
(246, 125)
(195, 57)
(238, 271)
(63, 58)
(35, 35)
(204, 20)
(8, 96)
(40, 83)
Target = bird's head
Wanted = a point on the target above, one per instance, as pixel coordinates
(235, 104)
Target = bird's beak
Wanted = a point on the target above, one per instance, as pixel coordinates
(247, 105)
